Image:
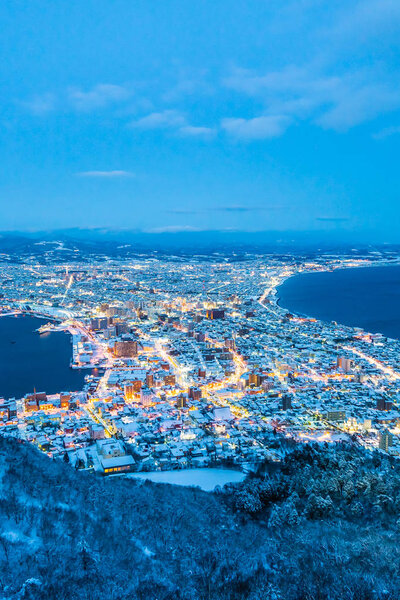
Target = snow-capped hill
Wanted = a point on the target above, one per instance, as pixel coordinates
(322, 524)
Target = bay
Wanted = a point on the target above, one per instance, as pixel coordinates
(29, 360)
(367, 297)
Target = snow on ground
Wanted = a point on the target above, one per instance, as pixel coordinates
(17, 537)
(146, 551)
(206, 479)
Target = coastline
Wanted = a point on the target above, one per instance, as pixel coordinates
(54, 351)
(277, 299)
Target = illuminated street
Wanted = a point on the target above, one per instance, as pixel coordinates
(193, 364)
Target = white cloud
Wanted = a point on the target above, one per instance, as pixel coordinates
(199, 132)
(41, 104)
(187, 87)
(285, 80)
(174, 120)
(332, 219)
(350, 80)
(366, 19)
(333, 101)
(243, 209)
(387, 132)
(165, 119)
(264, 127)
(99, 96)
(106, 174)
(358, 99)
(173, 229)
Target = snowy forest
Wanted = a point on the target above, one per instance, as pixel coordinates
(323, 523)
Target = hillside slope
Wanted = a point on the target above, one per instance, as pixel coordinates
(284, 534)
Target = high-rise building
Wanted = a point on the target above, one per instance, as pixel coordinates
(384, 404)
(64, 400)
(149, 380)
(32, 401)
(230, 343)
(129, 392)
(137, 384)
(338, 416)
(346, 364)
(215, 313)
(181, 401)
(98, 323)
(385, 440)
(146, 396)
(255, 379)
(169, 379)
(194, 393)
(121, 328)
(12, 409)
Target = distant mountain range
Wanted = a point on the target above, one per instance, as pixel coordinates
(126, 241)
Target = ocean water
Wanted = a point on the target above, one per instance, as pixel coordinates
(367, 297)
(29, 360)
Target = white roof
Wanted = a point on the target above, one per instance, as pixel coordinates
(222, 413)
(117, 461)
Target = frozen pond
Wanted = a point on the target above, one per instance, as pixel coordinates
(206, 479)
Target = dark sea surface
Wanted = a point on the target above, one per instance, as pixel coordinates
(29, 360)
(367, 297)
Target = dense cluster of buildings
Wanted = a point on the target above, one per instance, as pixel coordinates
(194, 363)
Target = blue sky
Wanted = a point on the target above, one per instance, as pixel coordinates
(173, 115)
